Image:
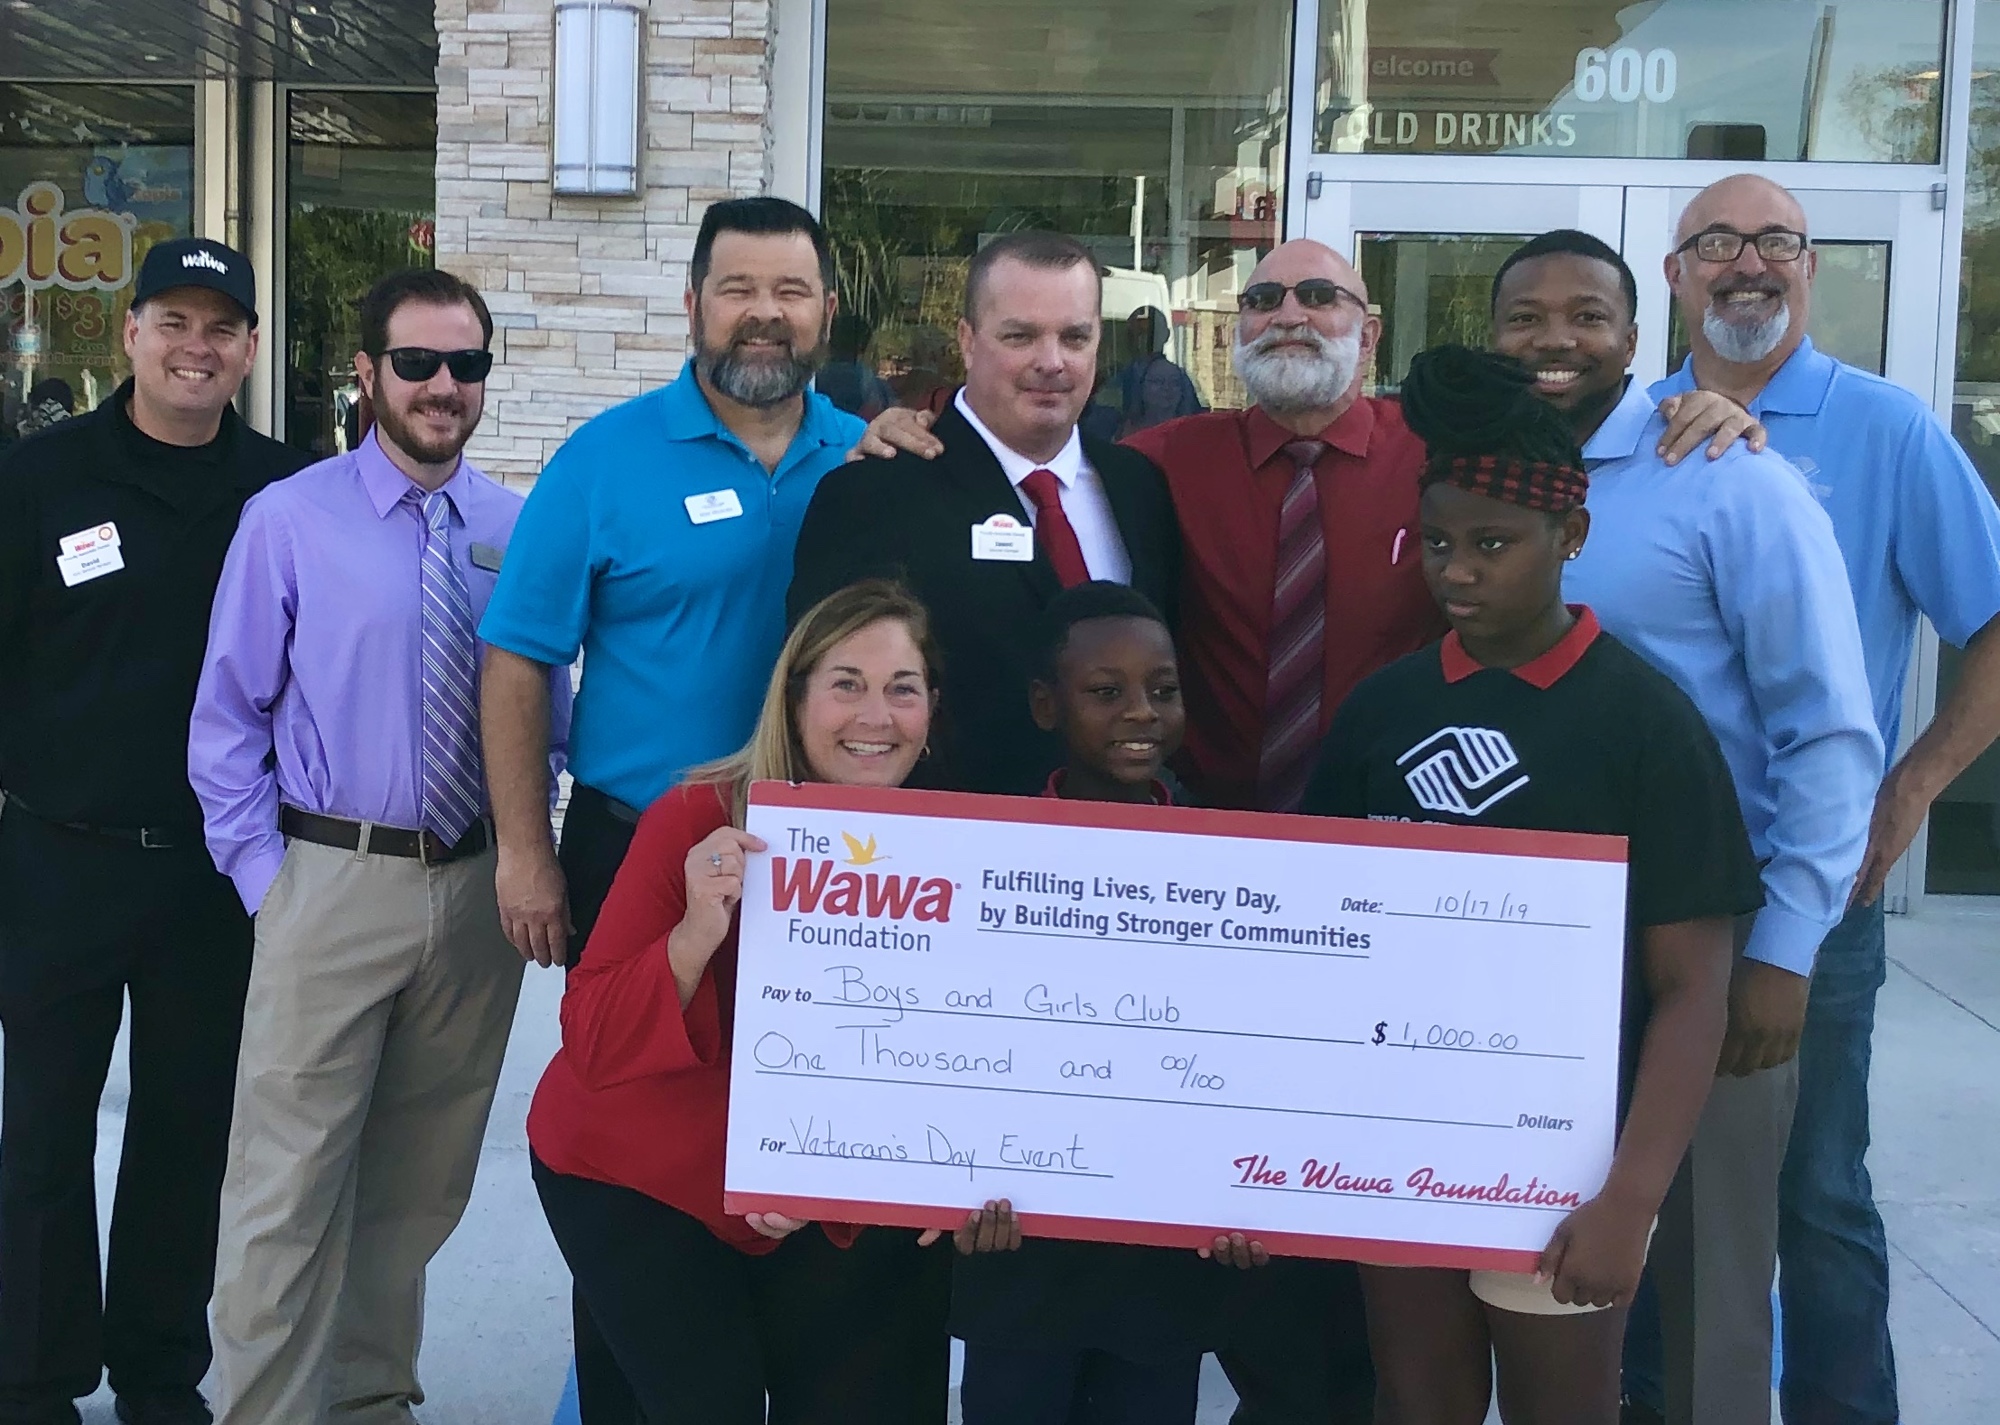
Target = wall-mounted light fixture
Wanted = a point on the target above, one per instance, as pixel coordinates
(597, 79)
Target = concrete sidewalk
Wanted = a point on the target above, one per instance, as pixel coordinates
(497, 1350)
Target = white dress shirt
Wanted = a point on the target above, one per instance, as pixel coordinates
(1083, 497)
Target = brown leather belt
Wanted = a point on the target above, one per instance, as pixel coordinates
(424, 846)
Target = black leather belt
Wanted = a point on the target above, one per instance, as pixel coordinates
(344, 835)
(149, 838)
(628, 814)
(620, 811)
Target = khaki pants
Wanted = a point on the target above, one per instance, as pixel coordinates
(381, 996)
(1716, 1251)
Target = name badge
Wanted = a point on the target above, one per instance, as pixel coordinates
(715, 505)
(89, 554)
(1004, 537)
(487, 557)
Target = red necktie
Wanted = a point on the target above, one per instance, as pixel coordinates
(1053, 531)
(1297, 645)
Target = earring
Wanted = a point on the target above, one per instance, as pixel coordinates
(1572, 554)
(923, 755)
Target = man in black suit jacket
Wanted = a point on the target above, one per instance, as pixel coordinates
(956, 530)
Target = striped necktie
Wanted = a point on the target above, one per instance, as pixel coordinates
(450, 795)
(1296, 648)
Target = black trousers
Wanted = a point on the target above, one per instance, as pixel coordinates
(1005, 1385)
(1296, 1346)
(84, 922)
(704, 1332)
(594, 842)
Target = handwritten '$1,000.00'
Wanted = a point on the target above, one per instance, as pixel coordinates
(1146, 1024)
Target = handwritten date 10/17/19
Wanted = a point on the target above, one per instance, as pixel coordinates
(1443, 1036)
(1466, 905)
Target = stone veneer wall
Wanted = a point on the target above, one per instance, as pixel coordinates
(586, 293)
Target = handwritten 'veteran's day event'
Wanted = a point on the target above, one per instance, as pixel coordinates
(1148, 1024)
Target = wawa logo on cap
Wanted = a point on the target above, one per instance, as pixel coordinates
(814, 885)
(201, 257)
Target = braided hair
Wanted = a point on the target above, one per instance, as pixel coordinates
(1487, 431)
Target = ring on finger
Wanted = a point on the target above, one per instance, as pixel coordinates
(715, 859)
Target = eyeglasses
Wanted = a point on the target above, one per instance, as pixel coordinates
(1726, 244)
(420, 363)
(1313, 293)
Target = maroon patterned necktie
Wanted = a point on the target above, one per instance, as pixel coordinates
(1297, 642)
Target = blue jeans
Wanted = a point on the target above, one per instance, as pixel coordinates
(1643, 1367)
(1839, 1368)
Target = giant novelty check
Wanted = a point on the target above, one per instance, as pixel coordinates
(1380, 1040)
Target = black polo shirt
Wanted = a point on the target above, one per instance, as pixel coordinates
(97, 676)
(1589, 737)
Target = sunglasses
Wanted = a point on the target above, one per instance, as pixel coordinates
(1726, 244)
(1313, 293)
(420, 363)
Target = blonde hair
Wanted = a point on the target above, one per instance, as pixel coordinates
(774, 751)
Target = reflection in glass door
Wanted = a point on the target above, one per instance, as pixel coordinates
(362, 201)
(1152, 131)
(1739, 80)
(1429, 288)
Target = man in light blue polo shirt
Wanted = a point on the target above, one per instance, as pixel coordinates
(1723, 574)
(659, 542)
(1919, 533)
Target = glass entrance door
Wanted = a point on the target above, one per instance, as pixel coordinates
(1428, 253)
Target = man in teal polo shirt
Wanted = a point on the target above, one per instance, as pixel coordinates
(1919, 532)
(659, 542)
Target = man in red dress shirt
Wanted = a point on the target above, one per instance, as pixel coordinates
(1301, 572)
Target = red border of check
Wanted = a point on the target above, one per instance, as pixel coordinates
(1146, 1234)
(1200, 821)
(1195, 821)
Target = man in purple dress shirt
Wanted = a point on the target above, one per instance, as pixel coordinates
(335, 751)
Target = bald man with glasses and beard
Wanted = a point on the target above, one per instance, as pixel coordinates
(1919, 533)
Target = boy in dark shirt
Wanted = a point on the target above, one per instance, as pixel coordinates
(1093, 1333)
(1528, 716)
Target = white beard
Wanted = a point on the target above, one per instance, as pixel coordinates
(1746, 345)
(1295, 381)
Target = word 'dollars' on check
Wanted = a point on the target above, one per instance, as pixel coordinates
(1149, 1024)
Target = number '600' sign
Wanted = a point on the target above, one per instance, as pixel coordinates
(1624, 75)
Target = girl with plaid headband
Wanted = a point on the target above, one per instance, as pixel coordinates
(1527, 715)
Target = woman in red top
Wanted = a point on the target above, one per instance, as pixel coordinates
(707, 1313)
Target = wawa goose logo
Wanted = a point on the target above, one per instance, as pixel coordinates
(814, 885)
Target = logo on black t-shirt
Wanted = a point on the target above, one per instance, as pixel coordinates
(1462, 770)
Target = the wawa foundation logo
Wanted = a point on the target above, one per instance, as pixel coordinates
(812, 885)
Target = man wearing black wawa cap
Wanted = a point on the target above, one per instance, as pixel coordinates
(113, 527)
